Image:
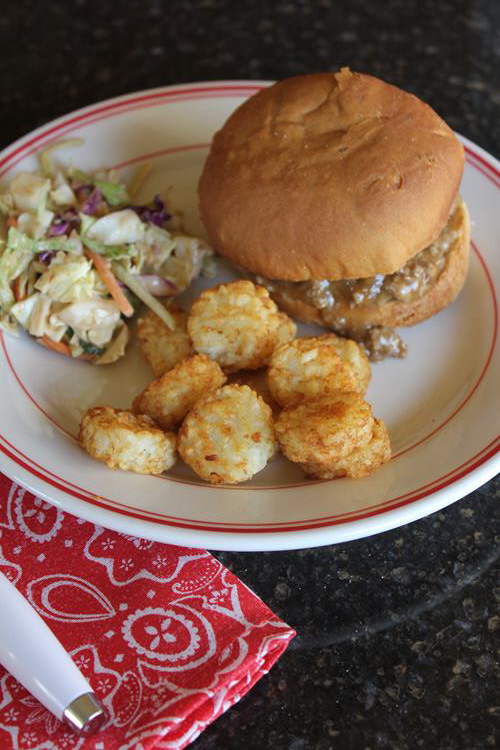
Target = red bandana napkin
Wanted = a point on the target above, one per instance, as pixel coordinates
(167, 637)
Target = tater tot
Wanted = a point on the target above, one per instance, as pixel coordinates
(162, 347)
(228, 436)
(256, 380)
(322, 431)
(127, 441)
(168, 399)
(310, 367)
(238, 325)
(286, 331)
(361, 461)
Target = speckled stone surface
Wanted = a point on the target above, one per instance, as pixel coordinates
(57, 55)
(398, 634)
(397, 642)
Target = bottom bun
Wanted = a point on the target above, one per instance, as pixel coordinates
(351, 319)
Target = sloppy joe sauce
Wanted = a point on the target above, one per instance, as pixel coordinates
(406, 285)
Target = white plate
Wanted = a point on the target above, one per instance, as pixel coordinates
(441, 404)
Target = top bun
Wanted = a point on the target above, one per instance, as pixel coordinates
(329, 176)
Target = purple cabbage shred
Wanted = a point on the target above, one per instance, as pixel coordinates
(156, 213)
(64, 223)
(92, 202)
(58, 228)
(45, 256)
(83, 191)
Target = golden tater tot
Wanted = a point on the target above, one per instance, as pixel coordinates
(314, 366)
(238, 325)
(256, 380)
(321, 431)
(287, 330)
(168, 399)
(228, 436)
(162, 347)
(126, 441)
(361, 461)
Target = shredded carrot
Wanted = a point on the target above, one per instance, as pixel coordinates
(56, 346)
(103, 268)
(11, 221)
(18, 290)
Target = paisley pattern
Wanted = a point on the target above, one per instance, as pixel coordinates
(68, 598)
(38, 520)
(163, 563)
(167, 637)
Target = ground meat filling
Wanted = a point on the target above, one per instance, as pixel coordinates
(406, 285)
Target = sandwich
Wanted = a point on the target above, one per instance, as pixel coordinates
(339, 193)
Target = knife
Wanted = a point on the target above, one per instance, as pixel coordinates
(31, 653)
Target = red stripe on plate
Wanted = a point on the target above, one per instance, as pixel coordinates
(151, 99)
(302, 526)
(310, 482)
(488, 358)
(490, 167)
(194, 92)
(451, 476)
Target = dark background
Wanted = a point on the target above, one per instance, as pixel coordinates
(57, 56)
(398, 634)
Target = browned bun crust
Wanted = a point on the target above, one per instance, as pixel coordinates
(329, 176)
(395, 313)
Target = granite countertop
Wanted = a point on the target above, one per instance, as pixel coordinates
(398, 633)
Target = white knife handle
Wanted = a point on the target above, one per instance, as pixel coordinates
(30, 651)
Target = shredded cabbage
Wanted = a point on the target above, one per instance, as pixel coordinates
(63, 195)
(115, 193)
(109, 251)
(25, 189)
(139, 291)
(15, 259)
(185, 262)
(86, 222)
(46, 153)
(116, 348)
(6, 203)
(43, 215)
(19, 241)
(49, 286)
(89, 315)
(158, 246)
(27, 224)
(117, 228)
(68, 281)
(39, 315)
(22, 310)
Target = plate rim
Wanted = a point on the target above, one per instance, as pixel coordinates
(232, 540)
(246, 541)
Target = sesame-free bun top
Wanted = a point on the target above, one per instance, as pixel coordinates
(329, 176)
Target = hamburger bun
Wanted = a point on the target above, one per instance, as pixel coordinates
(329, 176)
(337, 178)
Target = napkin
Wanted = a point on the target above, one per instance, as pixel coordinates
(167, 637)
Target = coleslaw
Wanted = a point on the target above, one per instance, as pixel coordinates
(77, 257)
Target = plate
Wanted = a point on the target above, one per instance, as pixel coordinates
(441, 404)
